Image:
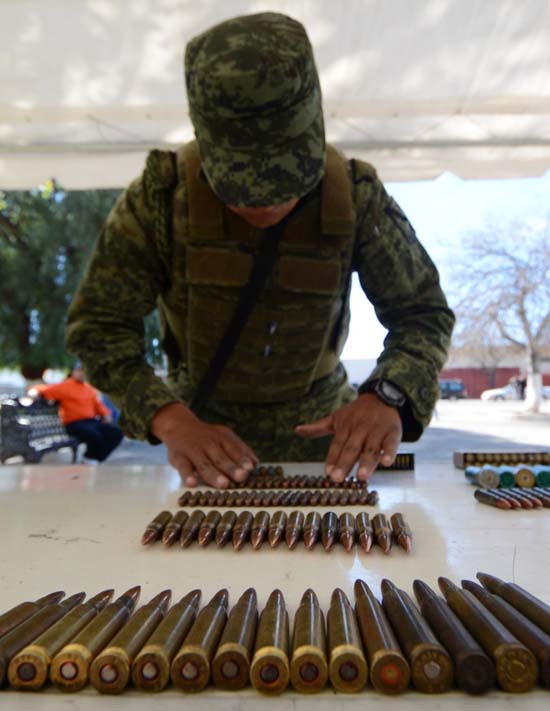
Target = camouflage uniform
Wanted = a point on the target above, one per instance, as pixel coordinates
(170, 232)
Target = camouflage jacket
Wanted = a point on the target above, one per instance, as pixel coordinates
(130, 268)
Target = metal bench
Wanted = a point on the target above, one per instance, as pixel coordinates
(30, 429)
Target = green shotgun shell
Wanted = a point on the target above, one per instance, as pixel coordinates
(522, 628)
(506, 476)
(474, 671)
(542, 474)
(260, 527)
(516, 666)
(308, 663)
(190, 670)
(389, 670)
(269, 671)
(365, 534)
(110, 670)
(224, 529)
(21, 612)
(312, 529)
(69, 668)
(277, 528)
(382, 532)
(29, 668)
(348, 670)
(294, 528)
(208, 527)
(173, 528)
(155, 528)
(529, 605)
(33, 627)
(151, 667)
(231, 663)
(431, 666)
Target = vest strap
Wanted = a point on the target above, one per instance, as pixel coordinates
(337, 214)
(205, 208)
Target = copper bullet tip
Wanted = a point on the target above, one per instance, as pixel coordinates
(220, 598)
(470, 585)
(275, 598)
(192, 598)
(102, 598)
(75, 599)
(339, 597)
(51, 598)
(309, 597)
(384, 541)
(161, 599)
(256, 540)
(249, 594)
(387, 586)
(405, 542)
(148, 537)
(422, 591)
(360, 588)
(347, 541)
(132, 594)
(309, 540)
(489, 581)
(446, 586)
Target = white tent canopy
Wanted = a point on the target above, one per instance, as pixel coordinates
(417, 87)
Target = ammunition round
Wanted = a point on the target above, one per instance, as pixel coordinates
(269, 671)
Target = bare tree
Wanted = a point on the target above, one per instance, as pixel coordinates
(502, 294)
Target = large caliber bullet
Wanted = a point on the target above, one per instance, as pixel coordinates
(29, 668)
(532, 497)
(69, 667)
(431, 666)
(151, 667)
(474, 671)
(382, 532)
(401, 531)
(529, 605)
(524, 501)
(18, 614)
(505, 495)
(260, 527)
(27, 631)
(190, 669)
(520, 626)
(389, 670)
(308, 664)
(348, 668)
(365, 533)
(294, 528)
(312, 529)
(277, 528)
(516, 666)
(242, 529)
(191, 527)
(173, 528)
(231, 663)
(207, 529)
(224, 529)
(269, 671)
(110, 670)
(329, 530)
(346, 530)
(485, 497)
(543, 494)
(155, 528)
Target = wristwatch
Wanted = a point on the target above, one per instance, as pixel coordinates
(386, 391)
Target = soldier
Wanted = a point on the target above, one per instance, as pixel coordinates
(259, 192)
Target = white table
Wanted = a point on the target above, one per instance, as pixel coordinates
(78, 527)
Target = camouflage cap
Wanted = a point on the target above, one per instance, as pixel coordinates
(255, 103)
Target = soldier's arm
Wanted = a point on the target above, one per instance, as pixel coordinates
(402, 283)
(105, 324)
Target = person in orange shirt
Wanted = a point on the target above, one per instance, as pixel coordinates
(83, 414)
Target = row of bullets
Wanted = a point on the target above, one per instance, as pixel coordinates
(313, 528)
(507, 476)
(463, 459)
(280, 481)
(256, 498)
(507, 499)
(475, 637)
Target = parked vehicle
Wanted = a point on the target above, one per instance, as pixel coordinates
(452, 389)
(510, 392)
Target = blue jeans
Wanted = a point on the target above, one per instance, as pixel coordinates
(100, 437)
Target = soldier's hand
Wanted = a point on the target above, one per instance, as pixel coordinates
(367, 431)
(200, 451)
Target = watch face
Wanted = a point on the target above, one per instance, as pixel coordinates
(390, 394)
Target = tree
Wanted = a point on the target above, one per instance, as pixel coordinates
(46, 236)
(502, 294)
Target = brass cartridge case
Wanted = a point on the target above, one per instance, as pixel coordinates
(190, 528)
(207, 529)
(260, 527)
(151, 667)
(69, 668)
(431, 665)
(474, 671)
(329, 530)
(25, 633)
(110, 670)
(190, 669)
(365, 534)
(382, 532)
(231, 663)
(242, 529)
(173, 528)
(269, 671)
(294, 528)
(346, 530)
(277, 528)
(29, 668)
(516, 666)
(529, 605)
(312, 529)
(520, 626)
(21, 612)
(389, 670)
(224, 529)
(401, 531)
(348, 670)
(155, 528)
(308, 664)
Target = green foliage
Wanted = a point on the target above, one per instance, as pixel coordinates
(46, 237)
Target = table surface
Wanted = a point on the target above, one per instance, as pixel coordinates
(78, 527)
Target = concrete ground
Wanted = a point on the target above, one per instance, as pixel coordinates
(469, 425)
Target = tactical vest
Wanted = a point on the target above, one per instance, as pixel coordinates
(298, 327)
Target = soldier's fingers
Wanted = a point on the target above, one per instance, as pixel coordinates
(242, 457)
(211, 475)
(348, 455)
(185, 470)
(338, 442)
(224, 463)
(368, 461)
(320, 428)
(390, 445)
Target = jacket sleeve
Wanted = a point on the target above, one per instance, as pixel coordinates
(105, 326)
(400, 280)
